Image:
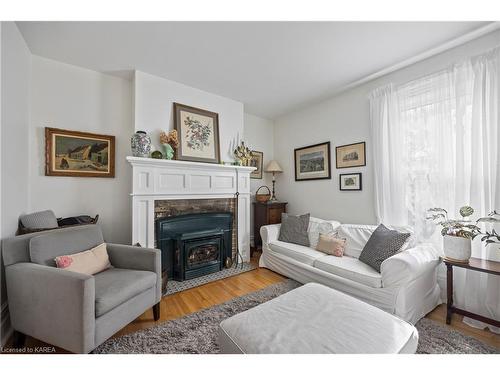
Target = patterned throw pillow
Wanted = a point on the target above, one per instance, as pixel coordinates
(382, 244)
(294, 229)
(331, 244)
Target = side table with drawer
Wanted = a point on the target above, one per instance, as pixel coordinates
(266, 214)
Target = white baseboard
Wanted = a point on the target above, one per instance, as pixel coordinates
(5, 327)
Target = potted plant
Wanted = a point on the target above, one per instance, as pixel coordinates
(459, 233)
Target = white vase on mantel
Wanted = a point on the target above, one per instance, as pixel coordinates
(457, 249)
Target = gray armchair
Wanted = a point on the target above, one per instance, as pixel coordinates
(74, 311)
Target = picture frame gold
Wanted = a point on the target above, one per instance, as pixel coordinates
(70, 153)
(257, 162)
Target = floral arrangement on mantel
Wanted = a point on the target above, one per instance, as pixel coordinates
(170, 142)
(465, 228)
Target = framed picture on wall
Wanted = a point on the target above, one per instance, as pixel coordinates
(198, 132)
(78, 154)
(256, 161)
(350, 181)
(353, 155)
(313, 162)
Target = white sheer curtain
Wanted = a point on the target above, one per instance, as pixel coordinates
(436, 144)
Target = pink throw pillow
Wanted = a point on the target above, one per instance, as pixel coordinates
(331, 244)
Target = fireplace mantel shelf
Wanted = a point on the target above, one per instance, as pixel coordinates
(161, 179)
(184, 164)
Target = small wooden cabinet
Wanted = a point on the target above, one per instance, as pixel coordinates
(266, 214)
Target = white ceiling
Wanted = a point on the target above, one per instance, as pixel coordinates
(272, 67)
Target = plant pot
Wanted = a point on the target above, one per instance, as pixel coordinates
(457, 249)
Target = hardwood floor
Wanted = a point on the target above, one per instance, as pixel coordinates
(486, 336)
(186, 302)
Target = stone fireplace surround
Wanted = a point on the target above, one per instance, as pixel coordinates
(167, 180)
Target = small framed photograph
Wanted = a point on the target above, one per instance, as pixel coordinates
(198, 132)
(313, 162)
(350, 181)
(256, 161)
(78, 154)
(353, 155)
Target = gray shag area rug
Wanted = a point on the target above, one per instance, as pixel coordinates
(179, 286)
(197, 333)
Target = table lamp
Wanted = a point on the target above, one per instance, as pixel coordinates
(273, 167)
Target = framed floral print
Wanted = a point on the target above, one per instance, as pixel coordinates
(353, 155)
(351, 181)
(256, 161)
(78, 154)
(198, 132)
(313, 162)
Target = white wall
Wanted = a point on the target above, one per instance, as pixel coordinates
(259, 136)
(154, 98)
(68, 97)
(341, 120)
(16, 60)
(14, 146)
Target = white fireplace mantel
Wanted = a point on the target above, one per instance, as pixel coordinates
(160, 179)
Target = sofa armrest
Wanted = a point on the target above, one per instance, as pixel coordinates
(137, 258)
(269, 233)
(54, 305)
(409, 265)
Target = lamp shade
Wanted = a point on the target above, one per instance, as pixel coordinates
(273, 166)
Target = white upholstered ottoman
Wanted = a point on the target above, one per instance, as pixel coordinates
(316, 319)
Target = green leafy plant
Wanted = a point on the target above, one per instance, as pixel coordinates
(493, 236)
(464, 227)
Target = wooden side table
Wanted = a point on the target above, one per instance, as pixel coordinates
(476, 264)
(266, 214)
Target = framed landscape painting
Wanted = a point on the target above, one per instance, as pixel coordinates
(78, 154)
(351, 181)
(353, 155)
(256, 161)
(312, 162)
(198, 132)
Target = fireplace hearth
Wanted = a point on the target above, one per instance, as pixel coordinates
(194, 245)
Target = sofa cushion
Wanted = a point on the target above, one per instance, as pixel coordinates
(317, 227)
(117, 285)
(330, 244)
(293, 229)
(300, 253)
(44, 248)
(350, 268)
(383, 244)
(357, 235)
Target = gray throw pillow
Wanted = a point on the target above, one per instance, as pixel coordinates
(294, 229)
(39, 220)
(382, 244)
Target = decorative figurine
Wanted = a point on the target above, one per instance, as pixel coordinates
(242, 154)
(157, 155)
(169, 142)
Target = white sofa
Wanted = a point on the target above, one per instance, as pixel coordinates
(406, 285)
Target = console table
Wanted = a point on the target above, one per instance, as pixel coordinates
(476, 264)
